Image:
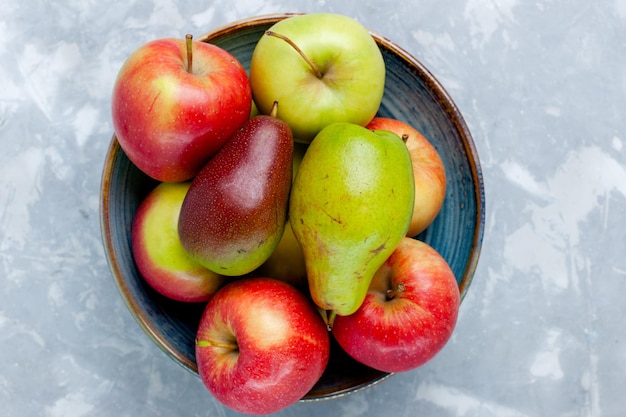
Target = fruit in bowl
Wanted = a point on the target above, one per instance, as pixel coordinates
(429, 172)
(350, 205)
(411, 95)
(234, 213)
(261, 345)
(322, 68)
(409, 312)
(176, 102)
(159, 255)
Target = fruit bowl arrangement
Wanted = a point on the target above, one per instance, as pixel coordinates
(411, 96)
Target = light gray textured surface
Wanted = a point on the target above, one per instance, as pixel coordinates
(542, 86)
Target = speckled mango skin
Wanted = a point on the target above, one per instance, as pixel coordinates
(350, 205)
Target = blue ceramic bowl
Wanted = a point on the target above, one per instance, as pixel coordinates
(411, 94)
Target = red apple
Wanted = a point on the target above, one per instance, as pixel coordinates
(261, 345)
(428, 170)
(409, 313)
(175, 104)
(159, 255)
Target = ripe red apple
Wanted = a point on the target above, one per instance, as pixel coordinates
(158, 252)
(409, 313)
(175, 103)
(261, 345)
(428, 170)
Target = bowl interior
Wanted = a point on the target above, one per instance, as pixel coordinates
(413, 95)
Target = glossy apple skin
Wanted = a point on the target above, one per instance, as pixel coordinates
(353, 70)
(282, 345)
(158, 253)
(169, 121)
(405, 332)
(428, 170)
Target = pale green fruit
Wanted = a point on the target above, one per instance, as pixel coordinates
(351, 203)
(343, 80)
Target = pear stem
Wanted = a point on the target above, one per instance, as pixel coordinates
(274, 110)
(324, 314)
(311, 64)
(393, 292)
(189, 43)
(331, 320)
(214, 343)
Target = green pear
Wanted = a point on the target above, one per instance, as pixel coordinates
(351, 203)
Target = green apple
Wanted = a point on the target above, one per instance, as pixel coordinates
(322, 68)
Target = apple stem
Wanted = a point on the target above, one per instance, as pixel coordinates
(274, 110)
(393, 292)
(189, 43)
(405, 137)
(311, 64)
(213, 343)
